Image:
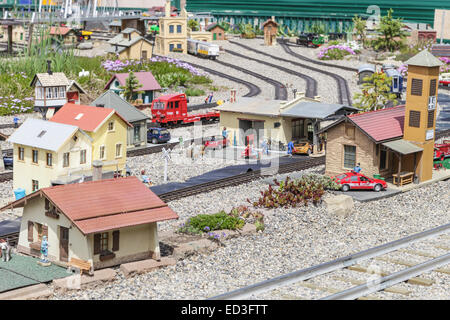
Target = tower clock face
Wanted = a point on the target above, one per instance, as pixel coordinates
(432, 103)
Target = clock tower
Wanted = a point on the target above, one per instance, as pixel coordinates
(420, 108)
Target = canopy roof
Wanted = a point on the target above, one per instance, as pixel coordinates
(402, 146)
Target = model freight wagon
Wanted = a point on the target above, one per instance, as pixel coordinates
(171, 109)
(203, 49)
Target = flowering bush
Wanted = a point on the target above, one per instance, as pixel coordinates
(446, 67)
(335, 52)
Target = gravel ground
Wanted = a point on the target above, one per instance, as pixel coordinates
(294, 238)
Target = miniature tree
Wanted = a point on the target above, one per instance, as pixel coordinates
(193, 25)
(375, 93)
(392, 35)
(131, 87)
(318, 28)
(360, 27)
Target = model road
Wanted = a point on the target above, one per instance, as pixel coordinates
(383, 282)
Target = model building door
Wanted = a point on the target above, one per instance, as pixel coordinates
(63, 244)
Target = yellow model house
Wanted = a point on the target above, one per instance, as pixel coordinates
(107, 129)
(131, 45)
(172, 32)
(46, 152)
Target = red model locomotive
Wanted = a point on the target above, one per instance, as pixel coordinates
(172, 109)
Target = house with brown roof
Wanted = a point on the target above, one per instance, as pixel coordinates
(65, 34)
(395, 142)
(145, 78)
(270, 32)
(103, 222)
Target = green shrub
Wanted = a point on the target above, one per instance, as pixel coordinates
(200, 80)
(205, 223)
(194, 92)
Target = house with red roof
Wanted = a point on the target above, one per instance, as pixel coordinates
(146, 78)
(65, 34)
(103, 222)
(107, 128)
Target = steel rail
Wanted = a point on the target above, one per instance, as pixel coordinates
(390, 280)
(340, 263)
(311, 84)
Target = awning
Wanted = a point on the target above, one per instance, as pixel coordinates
(402, 146)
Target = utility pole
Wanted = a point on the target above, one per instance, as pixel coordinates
(166, 156)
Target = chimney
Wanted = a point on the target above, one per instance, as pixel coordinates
(100, 105)
(167, 7)
(97, 170)
(49, 67)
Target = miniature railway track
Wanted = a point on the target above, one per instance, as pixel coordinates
(280, 89)
(239, 179)
(351, 262)
(311, 84)
(342, 84)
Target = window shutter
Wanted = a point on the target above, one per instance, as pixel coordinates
(430, 118)
(97, 238)
(45, 231)
(115, 246)
(47, 204)
(416, 87)
(414, 119)
(30, 231)
(433, 87)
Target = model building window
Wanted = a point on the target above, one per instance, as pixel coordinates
(433, 87)
(298, 129)
(179, 47)
(49, 159)
(416, 87)
(34, 185)
(171, 47)
(171, 28)
(35, 156)
(66, 158)
(111, 126)
(102, 152)
(40, 231)
(21, 153)
(62, 92)
(82, 156)
(350, 131)
(349, 157)
(48, 93)
(383, 159)
(104, 241)
(118, 150)
(430, 118)
(55, 92)
(414, 119)
(179, 28)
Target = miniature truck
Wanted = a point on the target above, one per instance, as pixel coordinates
(442, 150)
(171, 109)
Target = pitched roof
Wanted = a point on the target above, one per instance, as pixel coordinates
(51, 80)
(381, 125)
(59, 30)
(315, 110)
(111, 100)
(103, 205)
(87, 118)
(145, 78)
(424, 59)
(75, 84)
(130, 30)
(212, 26)
(43, 134)
(269, 21)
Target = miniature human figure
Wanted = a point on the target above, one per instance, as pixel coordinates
(44, 249)
(357, 168)
(16, 122)
(206, 99)
(225, 133)
(290, 148)
(210, 97)
(6, 250)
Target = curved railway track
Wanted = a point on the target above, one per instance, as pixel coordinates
(344, 95)
(311, 84)
(351, 262)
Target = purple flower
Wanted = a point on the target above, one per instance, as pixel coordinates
(206, 228)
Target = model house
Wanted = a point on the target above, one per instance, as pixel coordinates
(393, 142)
(145, 78)
(295, 120)
(50, 91)
(173, 32)
(217, 31)
(130, 45)
(137, 135)
(106, 127)
(104, 222)
(270, 32)
(74, 92)
(46, 152)
(66, 35)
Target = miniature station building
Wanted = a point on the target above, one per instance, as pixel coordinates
(107, 128)
(137, 135)
(18, 33)
(104, 222)
(130, 45)
(394, 142)
(297, 120)
(46, 152)
(270, 32)
(217, 31)
(66, 35)
(145, 78)
(115, 26)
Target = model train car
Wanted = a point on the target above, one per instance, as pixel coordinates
(367, 70)
(310, 40)
(203, 49)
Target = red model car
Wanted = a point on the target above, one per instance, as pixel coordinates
(353, 180)
(216, 143)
